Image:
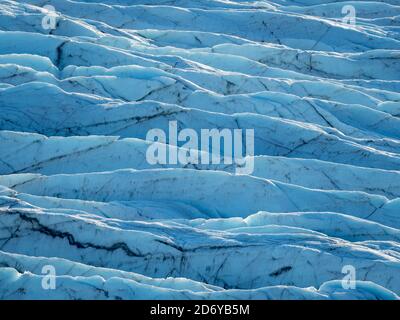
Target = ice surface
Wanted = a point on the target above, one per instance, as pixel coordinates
(76, 190)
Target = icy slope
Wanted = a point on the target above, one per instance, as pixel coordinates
(79, 194)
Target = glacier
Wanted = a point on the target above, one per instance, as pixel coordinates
(78, 194)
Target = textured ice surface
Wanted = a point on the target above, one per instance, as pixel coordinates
(76, 190)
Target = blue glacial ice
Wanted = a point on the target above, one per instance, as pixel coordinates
(77, 192)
